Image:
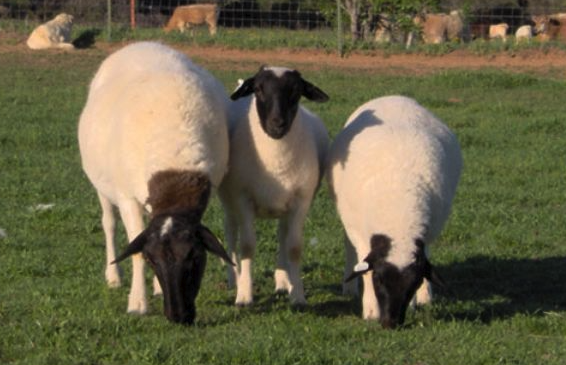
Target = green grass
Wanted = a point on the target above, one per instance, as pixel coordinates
(502, 251)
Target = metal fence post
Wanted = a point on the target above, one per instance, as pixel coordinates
(109, 20)
(340, 28)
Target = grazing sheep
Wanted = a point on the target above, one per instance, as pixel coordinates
(277, 152)
(185, 17)
(154, 131)
(524, 33)
(393, 171)
(498, 31)
(56, 33)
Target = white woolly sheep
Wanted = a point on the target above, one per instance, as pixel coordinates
(187, 16)
(498, 31)
(277, 152)
(154, 131)
(393, 171)
(524, 33)
(56, 33)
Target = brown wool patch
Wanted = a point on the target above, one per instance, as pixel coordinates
(179, 192)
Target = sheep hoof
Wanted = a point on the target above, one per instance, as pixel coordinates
(113, 277)
(244, 304)
(137, 306)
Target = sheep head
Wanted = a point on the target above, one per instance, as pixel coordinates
(175, 243)
(277, 93)
(395, 287)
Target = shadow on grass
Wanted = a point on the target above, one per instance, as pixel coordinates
(86, 39)
(501, 288)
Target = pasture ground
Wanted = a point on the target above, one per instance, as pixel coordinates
(503, 251)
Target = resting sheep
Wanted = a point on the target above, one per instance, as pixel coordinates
(154, 131)
(498, 31)
(277, 152)
(56, 33)
(393, 172)
(185, 17)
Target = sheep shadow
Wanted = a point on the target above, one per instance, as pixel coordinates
(501, 288)
(86, 39)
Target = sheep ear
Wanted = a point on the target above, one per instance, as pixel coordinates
(313, 93)
(213, 245)
(360, 269)
(245, 89)
(136, 246)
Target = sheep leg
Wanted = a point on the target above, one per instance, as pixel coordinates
(131, 213)
(112, 273)
(294, 246)
(424, 293)
(244, 295)
(351, 287)
(230, 233)
(369, 300)
(282, 284)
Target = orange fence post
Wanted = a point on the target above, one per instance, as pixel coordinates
(133, 14)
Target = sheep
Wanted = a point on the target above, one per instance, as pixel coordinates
(56, 33)
(498, 31)
(154, 132)
(549, 28)
(189, 15)
(524, 33)
(437, 28)
(277, 149)
(393, 172)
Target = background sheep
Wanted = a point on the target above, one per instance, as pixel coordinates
(549, 28)
(277, 149)
(190, 15)
(154, 131)
(437, 28)
(56, 33)
(524, 33)
(393, 172)
(498, 31)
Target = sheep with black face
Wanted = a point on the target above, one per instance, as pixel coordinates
(277, 154)
(153, 134)
(393, 171)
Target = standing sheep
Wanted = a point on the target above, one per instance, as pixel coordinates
(277, 153)
(393, 172)
(498, 31)
(154, 131)
(524, 33)
(190, 15)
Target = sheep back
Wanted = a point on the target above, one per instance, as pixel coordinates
(149, 109)
(393, 156)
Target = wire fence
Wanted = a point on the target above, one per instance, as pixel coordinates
(285, 14)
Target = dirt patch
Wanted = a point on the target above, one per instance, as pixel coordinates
(550, 63)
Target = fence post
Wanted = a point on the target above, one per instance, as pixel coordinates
(340, 28)
(109, 20)
(133, 14)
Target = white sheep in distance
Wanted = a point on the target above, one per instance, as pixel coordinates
(277, 152)
(56, 33)
(524, 33)
(154, 131)
(393, 172)
(187, 16)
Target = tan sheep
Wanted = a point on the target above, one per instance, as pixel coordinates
(549, 28)
(437, 28)
(56, 33)
(498, 31)
(185, 17)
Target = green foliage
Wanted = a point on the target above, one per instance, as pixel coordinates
(502, 251)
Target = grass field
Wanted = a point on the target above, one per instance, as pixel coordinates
(503, 251)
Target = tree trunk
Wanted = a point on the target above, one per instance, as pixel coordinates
(353, 9)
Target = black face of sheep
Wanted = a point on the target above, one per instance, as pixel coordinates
(278, 91)
(176, 251)
(394, 287)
